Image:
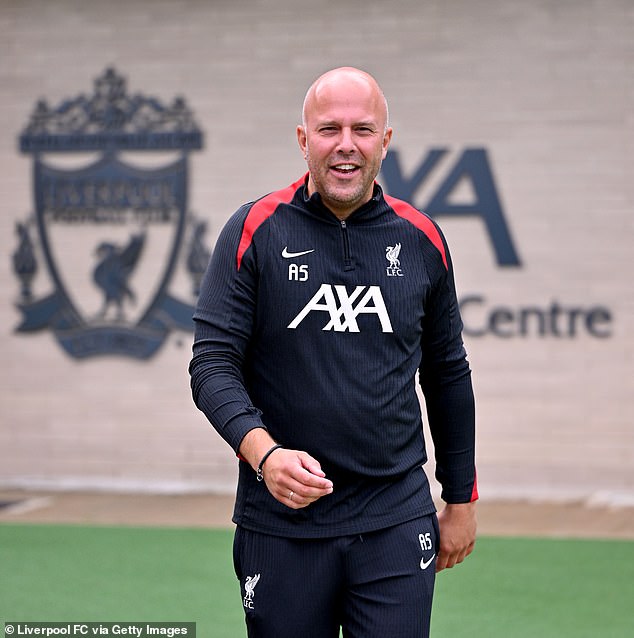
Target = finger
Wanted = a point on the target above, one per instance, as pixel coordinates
(450, 562)
(308, 480)
(312, 465)
(450, 559)
(441, 562)
(312, 492)
(298, 495)
(295, 501)
(307, 493)
(447, 558)
(288, 466)
(463, 552)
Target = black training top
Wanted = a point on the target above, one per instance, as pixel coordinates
(315, 328)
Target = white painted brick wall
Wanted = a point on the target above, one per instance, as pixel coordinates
(546, 87)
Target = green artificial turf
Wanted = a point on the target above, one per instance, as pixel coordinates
(538, 588)
(509, 587)
(64, 572)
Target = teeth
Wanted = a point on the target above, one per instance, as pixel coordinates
(345, 167)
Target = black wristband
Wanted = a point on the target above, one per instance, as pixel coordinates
(266, 456)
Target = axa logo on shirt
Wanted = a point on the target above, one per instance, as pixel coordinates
(342, 309)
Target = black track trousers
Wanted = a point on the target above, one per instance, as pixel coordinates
(374, 585)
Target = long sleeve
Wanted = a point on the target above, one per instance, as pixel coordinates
(445, 378)
(223, 326)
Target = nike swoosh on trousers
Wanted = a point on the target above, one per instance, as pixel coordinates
(425, 564)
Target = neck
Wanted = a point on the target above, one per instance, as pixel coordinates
(341, 212)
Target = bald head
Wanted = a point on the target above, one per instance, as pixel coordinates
(344, 137)
(346, 81)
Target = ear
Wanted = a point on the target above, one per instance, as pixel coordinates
(387, 138)
(301, 139)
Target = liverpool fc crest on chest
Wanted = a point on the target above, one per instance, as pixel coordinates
(391, 254)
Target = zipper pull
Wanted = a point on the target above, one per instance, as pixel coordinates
(348, 264)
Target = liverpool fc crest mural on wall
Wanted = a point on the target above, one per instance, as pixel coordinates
(111, 225)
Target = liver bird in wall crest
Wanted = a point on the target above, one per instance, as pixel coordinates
(113, 271)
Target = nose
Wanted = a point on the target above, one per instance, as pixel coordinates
(346, 141)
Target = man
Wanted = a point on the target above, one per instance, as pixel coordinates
(320, 304)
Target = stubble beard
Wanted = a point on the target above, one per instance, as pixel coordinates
(340, 197)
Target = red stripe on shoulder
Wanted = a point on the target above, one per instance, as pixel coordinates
(421, 221)
(260, 212)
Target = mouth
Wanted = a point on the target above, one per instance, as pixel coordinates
(344, 169)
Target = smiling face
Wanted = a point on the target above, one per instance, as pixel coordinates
(344, 138)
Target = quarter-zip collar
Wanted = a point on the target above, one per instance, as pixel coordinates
(372, 209)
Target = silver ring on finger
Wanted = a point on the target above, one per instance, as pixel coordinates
(290, 495)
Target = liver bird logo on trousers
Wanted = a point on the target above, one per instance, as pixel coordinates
(249, 586)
